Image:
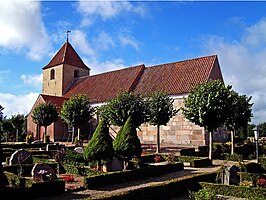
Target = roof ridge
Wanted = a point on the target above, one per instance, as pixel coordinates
(125, 68)
(186, 60)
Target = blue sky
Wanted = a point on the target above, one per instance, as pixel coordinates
(117, 34)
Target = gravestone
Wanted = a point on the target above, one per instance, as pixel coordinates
(53, 147)
(79, 150)
(20, 156)
(43, 172)
(230, 176)
(114, 165)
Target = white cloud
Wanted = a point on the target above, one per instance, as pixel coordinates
(129, 41)
(107, 9)
(243, 64)
(21, 104)
(97, 66)
(103, 41)
(21, 27)
(79, 40)
(33, 79)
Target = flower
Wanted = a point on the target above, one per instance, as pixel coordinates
(261, 183)
(157, 158)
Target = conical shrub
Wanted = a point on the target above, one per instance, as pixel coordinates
(127, 144)
(100, 146)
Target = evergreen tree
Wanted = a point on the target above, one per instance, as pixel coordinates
(127, 144)
(100, 146)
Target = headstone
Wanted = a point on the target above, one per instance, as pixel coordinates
(79, 150)
(230, 176)
(21, 156)
(53, 147)
(43, 172)
(114, 165)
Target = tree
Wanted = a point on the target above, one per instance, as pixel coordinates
(7, 128)
(161, 109)
(127, 144)
(44, 115)
(17, 122)
(125, 105)
(3, 179)
(240, 114)
(76, 112)
(207, 106)
(100, 147)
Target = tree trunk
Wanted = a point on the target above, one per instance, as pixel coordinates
(73, 135)
(16, 135)
(210, 147)
(44, 135)
(158, 139)
(99, 165)
(232, 143)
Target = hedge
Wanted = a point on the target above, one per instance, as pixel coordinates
(112, 178)
(164, 190)
(236, 191)
(38, 189)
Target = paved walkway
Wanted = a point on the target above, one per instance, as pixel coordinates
(134, 184)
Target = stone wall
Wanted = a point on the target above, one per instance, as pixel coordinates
(178, 131)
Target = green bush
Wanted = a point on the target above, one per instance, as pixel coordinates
(234, 157)
(262, 161)
(127, 144)
(250, 193)
(112, 178)
(187, 152)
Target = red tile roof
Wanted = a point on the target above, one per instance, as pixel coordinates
(57, 101)
(172, 78)
(105, 86)
(177, 78)
(66, 55)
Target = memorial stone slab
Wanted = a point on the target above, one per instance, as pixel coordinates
(79, 150)
(20, 157)
(43, 172)
(230, 175)
(53, 147)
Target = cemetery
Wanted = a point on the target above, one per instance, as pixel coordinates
(51, 167)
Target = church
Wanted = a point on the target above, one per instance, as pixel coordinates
(66, 75)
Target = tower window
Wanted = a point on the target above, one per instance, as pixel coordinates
(76, 73)
(52, 74)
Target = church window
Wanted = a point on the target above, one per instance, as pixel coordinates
(76, 73)
(52, 74)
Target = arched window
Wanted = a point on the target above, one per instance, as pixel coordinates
(52, 74)
(76, 73)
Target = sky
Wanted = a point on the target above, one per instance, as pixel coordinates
(111, 35)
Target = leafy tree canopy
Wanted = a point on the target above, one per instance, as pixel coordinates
(161, 108)
(127, 144)
(125, 105)
(44, 114)
(77, 111)
(207, 105)
(100, 147)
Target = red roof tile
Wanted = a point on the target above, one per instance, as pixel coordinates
(105, 86)
(66, 55)
(178, 77)
(57, 101)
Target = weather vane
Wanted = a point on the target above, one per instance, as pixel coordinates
(67, 32)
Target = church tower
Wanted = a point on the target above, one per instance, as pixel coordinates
(65, 67)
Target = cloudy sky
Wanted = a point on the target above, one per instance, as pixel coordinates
(112, 35)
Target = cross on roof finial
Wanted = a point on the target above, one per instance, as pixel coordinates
(68, 31)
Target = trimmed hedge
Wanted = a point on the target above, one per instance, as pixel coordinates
(188, 152)
(236, 191)
(130, 175)
(164, 190)
(195, 161)
(38, 189)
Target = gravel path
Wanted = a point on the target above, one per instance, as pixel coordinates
(132, 185)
